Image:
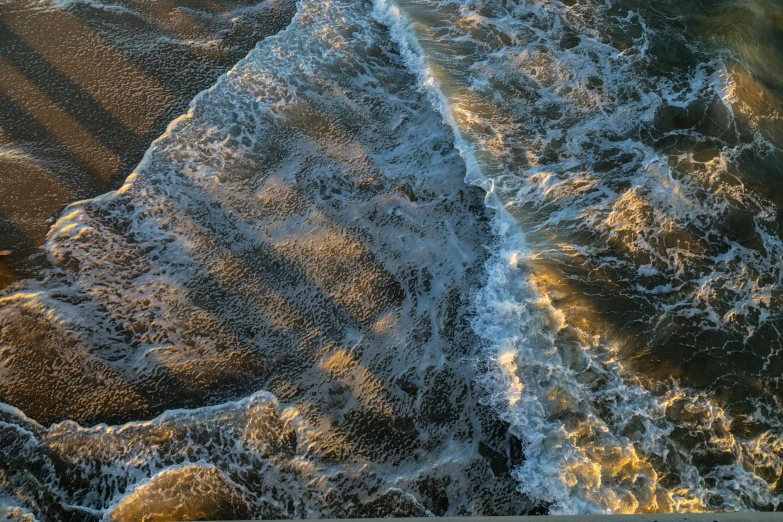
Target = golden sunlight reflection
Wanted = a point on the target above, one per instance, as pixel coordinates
(19, 174)
(188, 493)
(56, 121)
(40, 369)
(137, 108)
(644, 224)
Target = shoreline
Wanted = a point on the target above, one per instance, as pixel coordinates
(75, 129)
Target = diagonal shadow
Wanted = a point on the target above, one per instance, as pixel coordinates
(62, 96)
(97, 119)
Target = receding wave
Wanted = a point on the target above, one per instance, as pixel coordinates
(302, 237)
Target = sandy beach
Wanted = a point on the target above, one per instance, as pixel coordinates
(85, 89)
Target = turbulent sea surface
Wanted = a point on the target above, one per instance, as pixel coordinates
(425, 257)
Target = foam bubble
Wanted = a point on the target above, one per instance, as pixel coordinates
(565, 119)
(304, 229)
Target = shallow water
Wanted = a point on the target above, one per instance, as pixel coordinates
(85, 87)
(425, 257)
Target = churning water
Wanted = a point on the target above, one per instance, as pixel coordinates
(426, 257)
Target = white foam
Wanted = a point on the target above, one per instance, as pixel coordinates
(304, 229)
(597, 438)
(577, 455)
(95, 4)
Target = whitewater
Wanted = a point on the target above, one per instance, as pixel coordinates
(420, 258)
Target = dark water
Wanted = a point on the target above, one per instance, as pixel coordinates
(421, 257)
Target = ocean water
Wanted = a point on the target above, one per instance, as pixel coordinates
(425, 257)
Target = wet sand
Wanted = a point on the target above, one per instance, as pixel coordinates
(85, 89)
